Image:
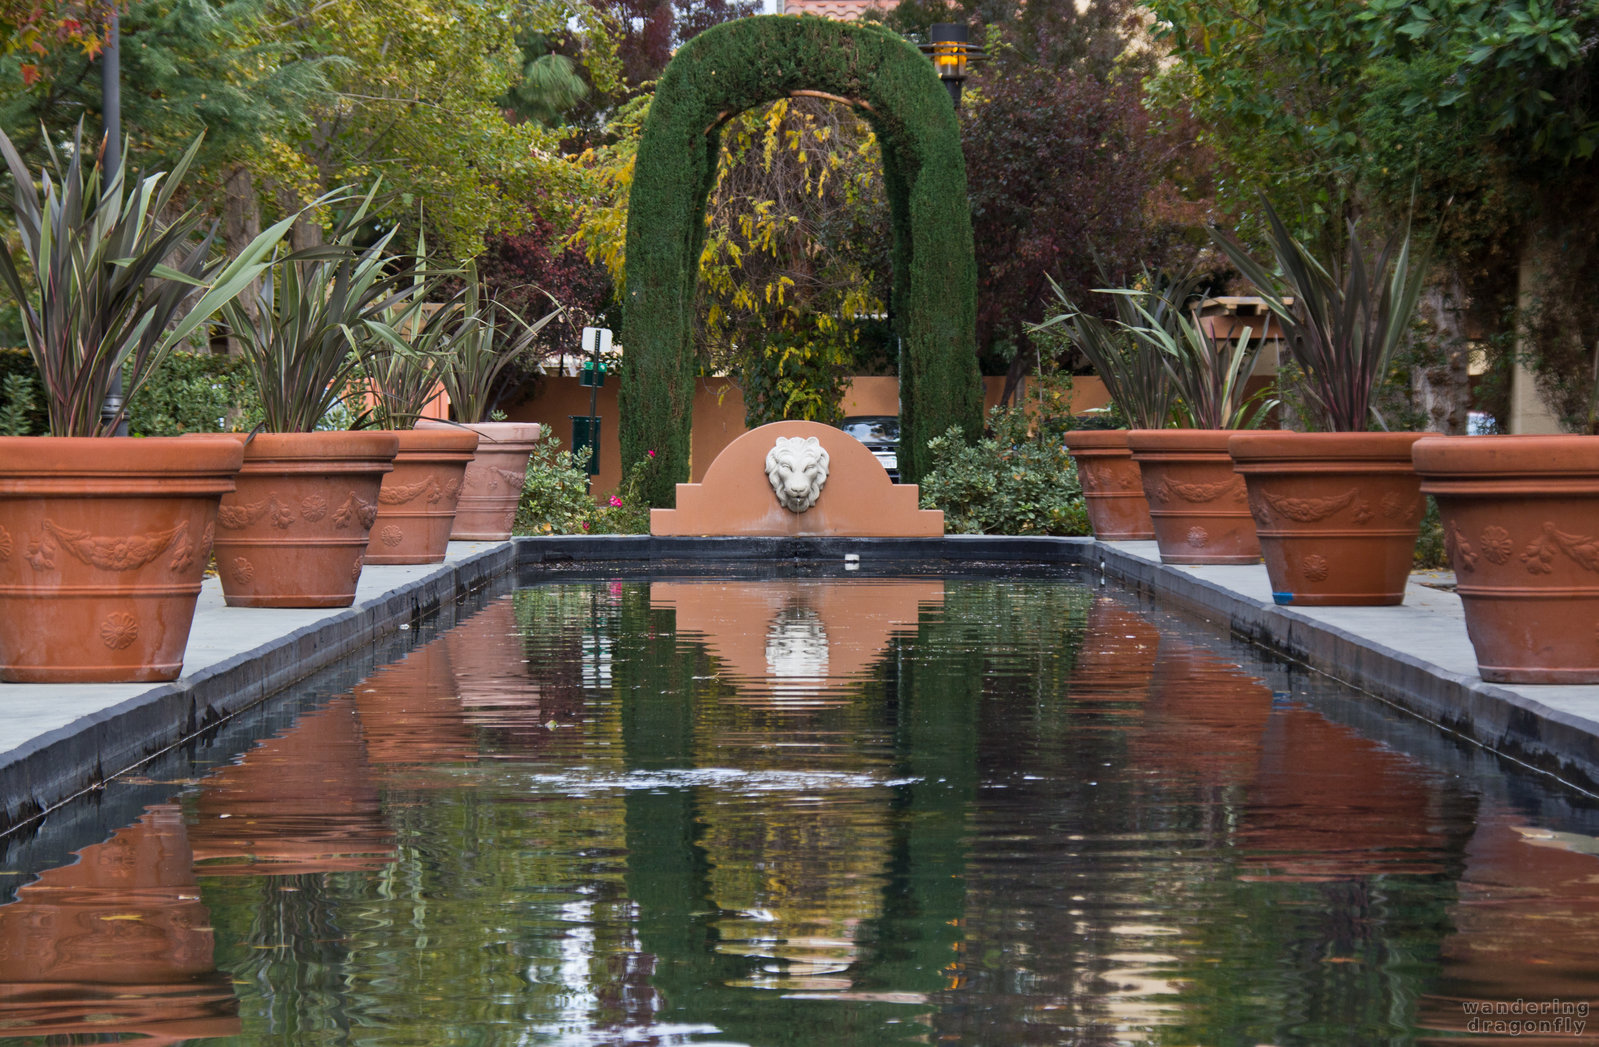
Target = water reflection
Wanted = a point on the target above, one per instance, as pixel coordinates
(302, 802)
(118, 942)
(813, 813)
(801, 643)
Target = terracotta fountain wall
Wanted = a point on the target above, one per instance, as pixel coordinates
(737, 498)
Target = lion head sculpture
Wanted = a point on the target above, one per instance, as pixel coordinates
(797, 468)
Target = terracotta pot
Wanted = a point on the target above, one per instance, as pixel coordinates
(416, 507)
(1196, 500)
(1112, 490)
(1521, 523)
(295, 532)
(492, 487)
(1337, 513)
(103, 545)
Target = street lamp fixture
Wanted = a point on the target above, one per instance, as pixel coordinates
(950, 48)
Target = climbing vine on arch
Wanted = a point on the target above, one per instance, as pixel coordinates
(750, 62)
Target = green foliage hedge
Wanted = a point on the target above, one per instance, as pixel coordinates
(749, 62)
(556, 499)
(1012, 481)
(190, 393)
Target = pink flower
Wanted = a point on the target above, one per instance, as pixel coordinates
(616, 502)
(650, 453)
(585, 525)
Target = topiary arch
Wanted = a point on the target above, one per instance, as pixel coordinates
(749, 62)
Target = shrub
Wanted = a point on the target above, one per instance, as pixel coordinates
(18, 402)
(1009, 482)
(188, 393)
(555, 496)
(556, 499)
(196, 393)
(1431, 553)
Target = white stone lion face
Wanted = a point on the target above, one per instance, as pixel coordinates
(797, 468)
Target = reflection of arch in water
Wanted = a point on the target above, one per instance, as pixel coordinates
(116, 943)
(796, 643)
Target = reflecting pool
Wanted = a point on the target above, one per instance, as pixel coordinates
(1000, 810)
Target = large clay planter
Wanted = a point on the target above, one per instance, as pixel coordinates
(1197, 502)
(1337, 513)
(492, 487)
(1112, 490)
(295, 532)
(416, 507)
(1521, 522)
(103, 545)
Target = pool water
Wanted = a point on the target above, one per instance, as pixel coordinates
(819, 812)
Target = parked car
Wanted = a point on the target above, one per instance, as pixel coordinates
(880, 434)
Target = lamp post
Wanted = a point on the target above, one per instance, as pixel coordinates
(111, 160)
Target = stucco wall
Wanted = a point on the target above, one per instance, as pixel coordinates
(719, 413)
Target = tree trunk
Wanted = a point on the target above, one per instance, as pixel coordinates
(1443, 388)
(241, 223)
(1530, 410)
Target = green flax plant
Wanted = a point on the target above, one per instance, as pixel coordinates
(1207, 372)
(112, 284)
(1134, 372)
(407, 346)
(308, 320)
(486, 339)
(1342, 320)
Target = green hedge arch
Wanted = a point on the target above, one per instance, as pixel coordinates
(753, 61)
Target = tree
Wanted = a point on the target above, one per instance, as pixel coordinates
(1065, 173)
(796, 248)
(1071, 176)
(299, 100)
(35, 28)
(1479, 118)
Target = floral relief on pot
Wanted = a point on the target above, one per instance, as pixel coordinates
(290, 535)
(1337, 513)
(98, 579)
(417, 502)
(1519, 519)
(1198, 505)
(1113, 491)
(492, 484)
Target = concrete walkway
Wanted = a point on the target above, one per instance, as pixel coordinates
(59, 740)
